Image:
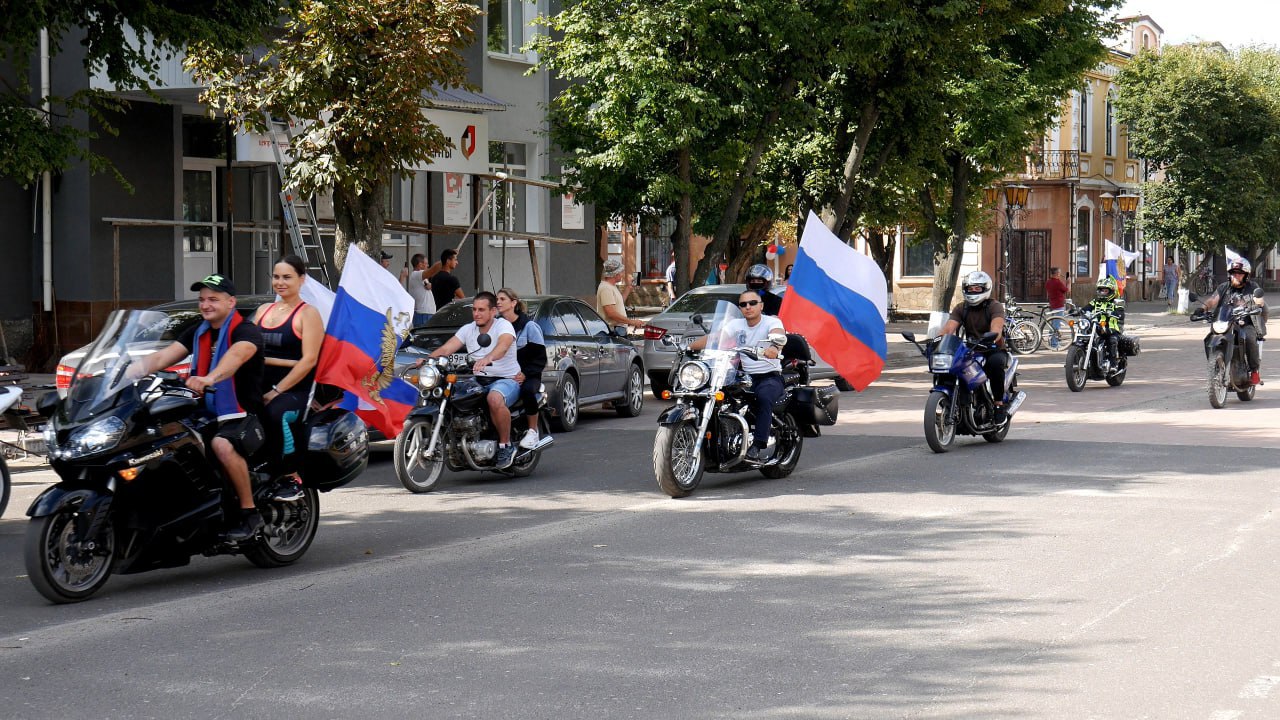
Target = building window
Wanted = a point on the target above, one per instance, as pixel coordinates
(508, 207)
(1146, 40)
(1084, 243)
(508, 28)
(1084, 120)
(917, 258)
(1111, 129)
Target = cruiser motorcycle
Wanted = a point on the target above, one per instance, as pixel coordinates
(709, 427)
(450, 426)
(139, 490)
(960, 401)
(1225, 346)
(1087, 354)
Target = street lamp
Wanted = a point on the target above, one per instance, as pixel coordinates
(1015, 199)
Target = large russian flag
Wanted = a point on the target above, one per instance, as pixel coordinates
(1116, 263)
(839, 301)
(371, 314)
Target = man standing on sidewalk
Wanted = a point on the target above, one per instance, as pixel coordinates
(1057, 291)
(610, 301)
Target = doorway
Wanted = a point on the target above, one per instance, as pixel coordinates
(1028, 265)
(199, 205)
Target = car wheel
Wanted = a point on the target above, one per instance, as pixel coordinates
(658, 384)
(567, 408)
(632, 402)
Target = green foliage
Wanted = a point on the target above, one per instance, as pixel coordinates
(357, 74)
(122, 41)
(1211, 121)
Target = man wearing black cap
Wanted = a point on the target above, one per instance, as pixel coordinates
(226, 354)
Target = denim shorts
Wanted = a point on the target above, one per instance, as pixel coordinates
(509, 388)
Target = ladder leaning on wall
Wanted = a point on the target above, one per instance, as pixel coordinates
(297, 210)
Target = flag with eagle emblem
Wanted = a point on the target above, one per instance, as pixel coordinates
(370, 317)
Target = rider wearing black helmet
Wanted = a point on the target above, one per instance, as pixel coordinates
(1238, 289)
(977, 315)
(760, 278)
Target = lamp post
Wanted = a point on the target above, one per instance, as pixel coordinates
(1122, 209)
(1015, 199)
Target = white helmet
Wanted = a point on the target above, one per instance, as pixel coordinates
(976, 288)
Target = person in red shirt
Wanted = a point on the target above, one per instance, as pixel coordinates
(1057, 290)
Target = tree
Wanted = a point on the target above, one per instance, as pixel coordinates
(1211, 121)
(357, 74)
(123, 41)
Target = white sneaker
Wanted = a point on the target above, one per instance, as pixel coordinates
(529, 440)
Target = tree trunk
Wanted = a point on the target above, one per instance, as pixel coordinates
(949, 247)
(684, 223)
(359, 218)
(868, 117)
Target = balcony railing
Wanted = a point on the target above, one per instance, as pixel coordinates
(1055, 164)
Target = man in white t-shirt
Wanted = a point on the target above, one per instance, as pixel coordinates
(755, 329)
(419, 287)
(496, 366)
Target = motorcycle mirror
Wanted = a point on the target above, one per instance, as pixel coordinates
(909, 336)
(1257, 292)
(988, 336)
(1192, 297)
(484, 340)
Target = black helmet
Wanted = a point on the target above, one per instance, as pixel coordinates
(759, 276)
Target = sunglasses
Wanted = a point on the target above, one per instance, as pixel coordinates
(749, 303)
(1237, 272)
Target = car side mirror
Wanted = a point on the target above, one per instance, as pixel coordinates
(620, 330)
(696, 319)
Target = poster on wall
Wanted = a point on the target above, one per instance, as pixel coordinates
(457, 199)
(572, 215)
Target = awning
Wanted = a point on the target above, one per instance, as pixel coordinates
(459, 99)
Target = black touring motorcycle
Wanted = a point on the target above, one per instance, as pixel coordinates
(139, 490)
(709, 427)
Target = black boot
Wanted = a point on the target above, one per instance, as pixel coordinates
(250, 525)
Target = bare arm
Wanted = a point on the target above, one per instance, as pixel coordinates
(237, 355)
(615, 317)
(499, 351)
(312, 332)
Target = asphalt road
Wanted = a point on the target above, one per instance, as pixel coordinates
(1115, 557)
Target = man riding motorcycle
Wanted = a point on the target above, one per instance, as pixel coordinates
(1110, 316)
(1239, 289)
(978, 315)
(760, 278)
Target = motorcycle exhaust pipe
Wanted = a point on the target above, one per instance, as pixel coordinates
(544, 443)
(1017, 403)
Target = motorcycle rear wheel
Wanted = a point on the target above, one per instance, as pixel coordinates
(1076, 368)
(1024, 337)
(61, 570)
(790, 452)
(290, 528)
(677, 459)
(1247, 395)
(1217, 387)
(416, 473)
(524, 467)
(937, 431)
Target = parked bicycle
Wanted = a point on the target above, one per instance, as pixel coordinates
(1021, 329)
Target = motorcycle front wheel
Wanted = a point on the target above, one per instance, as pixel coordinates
(417, 473)
(789, 452)
(1024, 338)
(290, 528)
(1116, 378)
(938, 432)
(1217, 381)
(63, 564)
(677, 459)
(1077, 368)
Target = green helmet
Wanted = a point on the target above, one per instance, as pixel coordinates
(1107, 288)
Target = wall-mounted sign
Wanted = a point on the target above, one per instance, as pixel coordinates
(572, 214)
(467, 135)
(457, 199)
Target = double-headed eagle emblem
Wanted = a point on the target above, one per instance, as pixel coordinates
(380, 380)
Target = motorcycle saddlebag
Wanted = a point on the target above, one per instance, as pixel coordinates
(337, 449)
(1129, 345)
(814, 406)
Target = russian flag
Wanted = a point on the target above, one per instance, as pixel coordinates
(371, 314)
(839, 301)
(1116, 263)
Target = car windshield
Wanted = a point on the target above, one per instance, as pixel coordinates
(457, 314)
(103, 372)
(704, 302)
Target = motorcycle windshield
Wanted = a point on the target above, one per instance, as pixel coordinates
(104, 370)
(721, 335)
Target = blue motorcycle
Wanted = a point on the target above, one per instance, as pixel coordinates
(960, 401)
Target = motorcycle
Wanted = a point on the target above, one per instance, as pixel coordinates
(1225, 348)
(1087, 355)
(138, 490)
(709, 427)
(960, 401)
(9, 397)
(450, 426)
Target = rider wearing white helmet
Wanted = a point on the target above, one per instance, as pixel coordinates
(978, 315)
(1236, 290)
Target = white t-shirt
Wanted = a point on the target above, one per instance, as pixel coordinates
(737, 333)
(505, 367)
(423, 300)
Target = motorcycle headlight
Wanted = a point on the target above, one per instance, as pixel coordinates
(693, 375)
(428, 377)
(940, 362)
(94, 438)
(1220, 326)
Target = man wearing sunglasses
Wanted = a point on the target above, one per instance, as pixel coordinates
(755, 329)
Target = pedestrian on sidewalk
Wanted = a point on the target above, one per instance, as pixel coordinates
(1172, 277)
(610, 301)
(1057, 290)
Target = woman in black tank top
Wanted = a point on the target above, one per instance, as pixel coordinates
(292, 333)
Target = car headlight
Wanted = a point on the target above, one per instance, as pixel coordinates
(940, 362)
(428, 377)
(94, 438)
(693, 375)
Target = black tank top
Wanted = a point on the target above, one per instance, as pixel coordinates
(283, 343)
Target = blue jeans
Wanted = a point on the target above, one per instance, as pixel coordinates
(1171, 290)
(1056, 318)
(769, 389)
